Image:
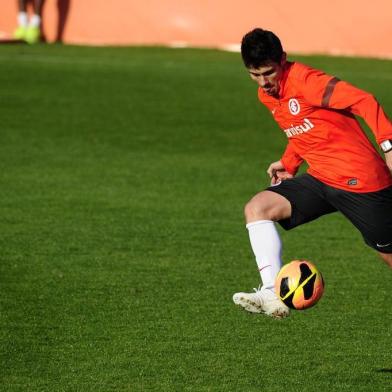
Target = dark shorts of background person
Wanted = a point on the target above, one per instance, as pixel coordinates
(370, 213)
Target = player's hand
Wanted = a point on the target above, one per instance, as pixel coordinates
(388, 160)
(277, 173)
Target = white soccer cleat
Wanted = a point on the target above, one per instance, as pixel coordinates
(263, 300)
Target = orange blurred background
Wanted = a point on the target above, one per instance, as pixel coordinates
(347, 27)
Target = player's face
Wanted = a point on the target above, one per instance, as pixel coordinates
(268, 76)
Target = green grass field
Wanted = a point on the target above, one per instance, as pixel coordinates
(124, 172)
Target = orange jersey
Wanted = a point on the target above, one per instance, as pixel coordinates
(316, 112)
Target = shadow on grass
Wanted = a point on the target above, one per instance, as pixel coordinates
(388, 370)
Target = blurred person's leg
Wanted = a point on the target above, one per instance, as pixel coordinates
(23, 20)
(38, 7)
(63, 10)
(33, 34)
(22, 5)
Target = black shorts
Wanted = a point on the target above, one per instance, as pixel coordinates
(370, 213)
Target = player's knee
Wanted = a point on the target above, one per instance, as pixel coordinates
(260, 208)
(253, 208)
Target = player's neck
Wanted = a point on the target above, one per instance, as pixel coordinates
(283, 79)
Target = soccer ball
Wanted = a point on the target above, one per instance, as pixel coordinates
(299, 284)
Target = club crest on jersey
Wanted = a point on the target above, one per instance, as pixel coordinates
(294, 106)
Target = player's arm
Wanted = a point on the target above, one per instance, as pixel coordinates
(286, 167)
(291, 161)
(345, 96)
(329, 92)
(361, 103)
(388, 159)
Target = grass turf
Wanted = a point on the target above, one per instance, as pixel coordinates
(123, 176)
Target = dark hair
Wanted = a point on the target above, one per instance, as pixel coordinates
(259, 47)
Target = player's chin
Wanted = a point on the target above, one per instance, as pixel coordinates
(271, 91)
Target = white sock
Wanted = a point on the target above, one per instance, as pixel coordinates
(267, 247)
(35, 21)
(22, 19)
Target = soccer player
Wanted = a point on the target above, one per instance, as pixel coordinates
(29, 30)
(316, 112)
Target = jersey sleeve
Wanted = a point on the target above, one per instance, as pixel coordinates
(323, 90)
(314, 84)
(348, 97)
(291, 160)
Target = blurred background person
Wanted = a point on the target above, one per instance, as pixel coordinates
(29, 28)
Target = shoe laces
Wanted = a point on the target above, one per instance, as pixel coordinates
(260, 288)
(258, 292)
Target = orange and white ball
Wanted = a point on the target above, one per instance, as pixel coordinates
(299, 284)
